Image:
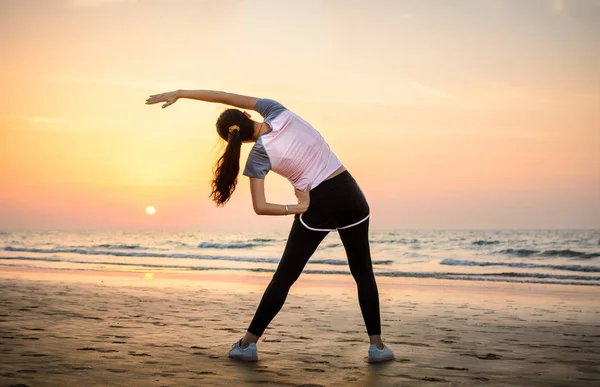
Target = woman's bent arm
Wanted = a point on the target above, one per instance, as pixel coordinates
(261, 207)
(237, 100)
(280, 209)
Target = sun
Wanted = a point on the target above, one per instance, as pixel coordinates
(150, 210)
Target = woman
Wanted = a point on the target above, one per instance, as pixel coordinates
(329, 199)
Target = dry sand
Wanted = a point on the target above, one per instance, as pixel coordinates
(67, 328)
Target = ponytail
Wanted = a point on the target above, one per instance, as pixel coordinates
(234, 127)
(227, 169)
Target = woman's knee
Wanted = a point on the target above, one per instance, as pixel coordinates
(365, 275)
(284, 279)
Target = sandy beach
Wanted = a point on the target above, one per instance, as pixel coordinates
(68, 328)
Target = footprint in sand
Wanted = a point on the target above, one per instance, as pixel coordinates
(488, 356)
(163, 374)
(133, 353)
(456, 368)
(430, 379)
(316, 361)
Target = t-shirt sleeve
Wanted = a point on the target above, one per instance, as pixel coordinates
(268, 108)
(258, 164)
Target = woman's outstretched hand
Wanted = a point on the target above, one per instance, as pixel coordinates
(169, 97)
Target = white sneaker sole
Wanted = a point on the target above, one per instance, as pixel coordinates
(379, 360)
(244, 358)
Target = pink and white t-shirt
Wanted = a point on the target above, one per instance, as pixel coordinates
(292, 148)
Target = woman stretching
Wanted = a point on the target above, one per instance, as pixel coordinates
(329, 199)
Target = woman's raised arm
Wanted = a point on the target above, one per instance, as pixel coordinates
(237, 100)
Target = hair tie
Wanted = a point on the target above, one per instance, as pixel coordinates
(233, 127)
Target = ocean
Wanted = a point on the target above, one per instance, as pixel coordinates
(531, 256)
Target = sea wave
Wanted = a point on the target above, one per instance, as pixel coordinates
(161, 255)
(537, 278)
(548, 253)
(234, 245)
(568, 253)
(262, 240)
(523, 265)
(403, 241)
(343, 262)
(485, 243)
(118, 246)
(138, 254)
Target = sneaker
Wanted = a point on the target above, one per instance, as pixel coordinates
(377, 355)
(248, 354)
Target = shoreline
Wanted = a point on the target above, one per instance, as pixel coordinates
(309, 283)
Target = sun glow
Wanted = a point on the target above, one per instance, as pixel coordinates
(150, 210)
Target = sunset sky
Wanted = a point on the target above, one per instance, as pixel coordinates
(449, 114)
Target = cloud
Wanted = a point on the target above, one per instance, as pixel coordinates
(94, 3)
(128, 82)
(44, 120)
(35, 120)
(583, 10)
(558, 6)
(359, 90)
(488, 94)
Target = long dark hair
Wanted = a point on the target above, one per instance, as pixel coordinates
(228, 166)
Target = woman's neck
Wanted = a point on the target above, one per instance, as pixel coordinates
(259, 128)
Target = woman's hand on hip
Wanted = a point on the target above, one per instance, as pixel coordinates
(169, 97)
(303, 196)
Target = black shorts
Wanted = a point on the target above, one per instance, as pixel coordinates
(335, 204)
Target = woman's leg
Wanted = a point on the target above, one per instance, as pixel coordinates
(356, 244)
(300, 246)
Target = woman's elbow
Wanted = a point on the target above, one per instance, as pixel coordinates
(259, 210)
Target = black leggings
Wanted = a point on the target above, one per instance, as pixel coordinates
(336, 204)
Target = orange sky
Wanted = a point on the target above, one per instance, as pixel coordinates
(471, 114)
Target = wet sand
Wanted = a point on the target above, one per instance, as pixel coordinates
(68, 328)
